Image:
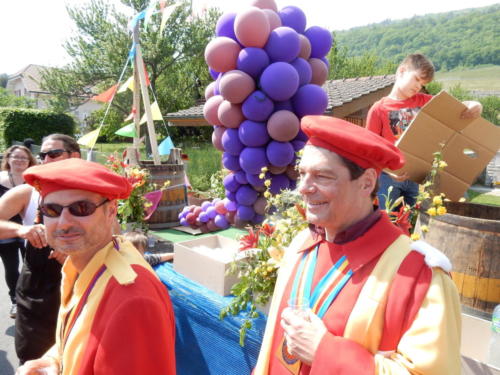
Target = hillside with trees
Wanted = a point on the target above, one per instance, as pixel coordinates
(460, 38)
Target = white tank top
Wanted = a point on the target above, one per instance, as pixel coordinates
(30, 213)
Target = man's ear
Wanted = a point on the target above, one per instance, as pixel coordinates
(75, 154)
(113, 208)
(368, 180)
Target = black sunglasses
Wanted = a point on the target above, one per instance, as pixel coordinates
(52, 153)
(78, 208)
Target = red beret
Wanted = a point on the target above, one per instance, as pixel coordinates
(75, 173)
(353, 142)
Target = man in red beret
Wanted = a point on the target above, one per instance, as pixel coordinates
(355, 295)
(115, 315)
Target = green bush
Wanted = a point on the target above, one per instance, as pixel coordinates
(17, 124)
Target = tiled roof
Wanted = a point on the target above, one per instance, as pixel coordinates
(340, 91)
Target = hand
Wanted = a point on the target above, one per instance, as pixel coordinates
(400, 177)
(47, 366)
(35, 234)
(303, 333)
(473, 110)
(57, 255)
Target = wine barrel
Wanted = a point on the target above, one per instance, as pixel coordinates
(469, 234)
(159, 174)
(173, 200)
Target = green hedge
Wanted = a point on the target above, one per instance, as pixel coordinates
(16, 124)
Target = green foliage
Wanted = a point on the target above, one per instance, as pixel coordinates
(491, 109)
(174, 59)
(434, 87)
(482, 198)
(4, 77)
(9, 100)
(18, 124)
(460, 38)
(113, 122)
(204, 163)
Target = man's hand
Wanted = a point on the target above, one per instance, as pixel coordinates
(303, 333)
(399, 177)
(473, 110)
(47, 366)
(35, 234)
(57, 255)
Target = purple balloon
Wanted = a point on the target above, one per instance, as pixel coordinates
(325, 60)
(252, 159)
(221, 222)
(278, 183)
(211, 213)
(255, 180)
(284, 105)
(257, 219)
(205, 205)
(246, 195)
(283, 44)
(252, 61)
(310, 100)
(293, 185)
(257, 106)
(245, 213)
(253, 134)
(213, 73)
(230, 205)
(225, 26)
(301, 137)
(298, 145)
(231, 195)
(321, 40)
(203, 217)
(184, 222)
(280, 81)
(230, 162)
(231, 142)
(293, 17)
(230, 183)
(304, 70)
(280, 154)
(240, 176)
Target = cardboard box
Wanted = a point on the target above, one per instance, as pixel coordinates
(476, 334)
(202, 267)
(467, 145)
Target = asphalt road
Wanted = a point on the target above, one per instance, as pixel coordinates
(8, 358)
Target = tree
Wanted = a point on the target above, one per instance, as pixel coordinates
(4, 77)
(9, 100)
(174, 59)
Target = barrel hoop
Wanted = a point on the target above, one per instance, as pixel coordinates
(485, 289)
(468, 222)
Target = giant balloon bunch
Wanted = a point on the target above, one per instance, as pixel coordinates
(268, 71)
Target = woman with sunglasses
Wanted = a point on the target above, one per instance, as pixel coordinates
(16, 159)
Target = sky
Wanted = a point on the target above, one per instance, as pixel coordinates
(34, 31)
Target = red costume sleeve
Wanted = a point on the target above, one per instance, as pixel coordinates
(373, 121)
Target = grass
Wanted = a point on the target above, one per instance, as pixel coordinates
(483, 78)
(482, 198)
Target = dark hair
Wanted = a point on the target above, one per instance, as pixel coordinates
(355, 171)
(10, 150)
(28, 142)
(417, 61)
(70, 144)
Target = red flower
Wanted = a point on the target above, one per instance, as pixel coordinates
(267, 230)
(401, 219)
(249, 241)
(301, 210)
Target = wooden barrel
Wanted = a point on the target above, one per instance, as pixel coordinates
(164, 172)
(469, 234)
(173, 200)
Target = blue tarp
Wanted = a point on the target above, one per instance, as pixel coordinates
(204, 343)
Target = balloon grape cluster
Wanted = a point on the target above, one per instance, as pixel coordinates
(268, 69)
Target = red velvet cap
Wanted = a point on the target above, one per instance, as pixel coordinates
(353, 142)
(75, 173)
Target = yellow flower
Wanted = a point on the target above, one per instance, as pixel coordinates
(443, 164)
(415, 237)
(462, 200)
(432, 211)
(262, 176)
(424, 228)
(441, 210)
(263, 169)
(267, 183)
(437, 200)
(425, 195)
(270, 269)
(267, 194)
(166, 184)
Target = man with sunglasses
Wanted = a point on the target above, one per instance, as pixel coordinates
(38, 287)
(115, 316)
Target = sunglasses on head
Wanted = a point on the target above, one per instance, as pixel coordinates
(78, 208)
(52, 153)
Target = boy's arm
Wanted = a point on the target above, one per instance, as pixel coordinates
(473, 110)
(373, 120)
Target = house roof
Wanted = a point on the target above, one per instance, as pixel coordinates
(340, 92)
(31, 76)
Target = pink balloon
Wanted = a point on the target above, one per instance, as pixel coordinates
(209, 91)
(319, 71)
(265, 4)
(252, 28)
(221, 54)
(236, 85)
(260, 205)
(305, 47)
(273, 18)
(230, 216)
(211, 226)
(292, 173)
(220, 208)
(210, 110)
(276, 170)
(230, 114)
(283, 126)
(204, 228)
(217, 137)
